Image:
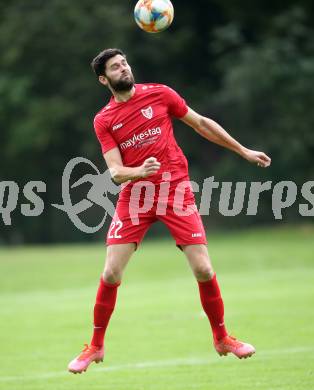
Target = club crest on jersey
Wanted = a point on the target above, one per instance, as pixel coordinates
(148, 112)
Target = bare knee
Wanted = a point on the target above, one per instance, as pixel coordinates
(112, 275)
(203, 272)
(116, 260)
(199, 261)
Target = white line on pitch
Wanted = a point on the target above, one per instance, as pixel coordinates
(196, 361)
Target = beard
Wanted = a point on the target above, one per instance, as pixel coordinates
(124, 84)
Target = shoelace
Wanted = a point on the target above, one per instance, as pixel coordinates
(86, 352)
(234, 341)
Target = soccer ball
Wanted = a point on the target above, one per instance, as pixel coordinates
(153, 16)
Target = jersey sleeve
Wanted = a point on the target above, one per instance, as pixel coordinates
(177, 106)
(104, 136)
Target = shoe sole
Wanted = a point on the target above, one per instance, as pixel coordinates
(80, 372)
(240, 357)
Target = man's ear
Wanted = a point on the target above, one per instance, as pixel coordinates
(103, 80)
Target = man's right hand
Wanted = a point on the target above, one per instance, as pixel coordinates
(122, 174)
(149, 167)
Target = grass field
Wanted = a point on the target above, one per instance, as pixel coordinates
(158, 338)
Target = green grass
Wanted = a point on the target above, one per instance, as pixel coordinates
(158, 338)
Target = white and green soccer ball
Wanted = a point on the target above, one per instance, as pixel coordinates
(153, 16)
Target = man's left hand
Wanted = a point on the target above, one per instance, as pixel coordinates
(259, 158)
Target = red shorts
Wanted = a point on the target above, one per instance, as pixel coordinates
(185, 224)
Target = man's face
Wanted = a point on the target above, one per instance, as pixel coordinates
(118, 74)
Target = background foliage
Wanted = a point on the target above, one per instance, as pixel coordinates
(249, 66)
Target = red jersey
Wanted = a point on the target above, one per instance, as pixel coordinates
(142, 127)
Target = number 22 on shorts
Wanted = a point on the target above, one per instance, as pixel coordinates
(114, 229)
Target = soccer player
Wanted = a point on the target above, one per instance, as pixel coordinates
(136, 136)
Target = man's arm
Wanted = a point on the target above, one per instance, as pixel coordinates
(212, 131)
(121, 174)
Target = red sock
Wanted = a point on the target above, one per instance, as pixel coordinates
(213, 306)
(104, 306)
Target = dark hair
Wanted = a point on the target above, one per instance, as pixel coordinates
(99, 62)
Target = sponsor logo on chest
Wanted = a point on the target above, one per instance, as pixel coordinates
(147, 137)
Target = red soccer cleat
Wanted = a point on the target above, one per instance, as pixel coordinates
(231, 344)
(90, 354)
